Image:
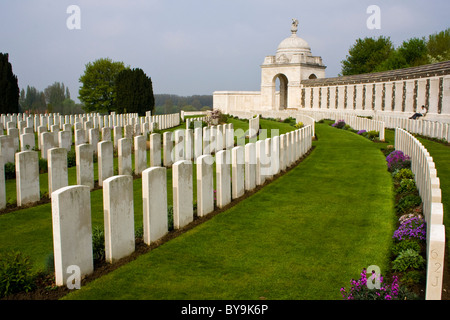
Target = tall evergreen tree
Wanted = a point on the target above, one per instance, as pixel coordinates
(134, 92)
(9, 87)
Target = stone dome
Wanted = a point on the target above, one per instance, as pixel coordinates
(293, 45)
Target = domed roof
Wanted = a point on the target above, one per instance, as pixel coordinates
(294, 45)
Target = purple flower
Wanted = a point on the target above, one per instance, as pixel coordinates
(411, 228)
(361, 132)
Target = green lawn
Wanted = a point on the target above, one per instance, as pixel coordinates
(30, 230)
(303, 236)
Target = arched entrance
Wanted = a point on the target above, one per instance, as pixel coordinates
(280, 93)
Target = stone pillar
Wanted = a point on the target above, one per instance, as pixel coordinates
(85, 165)
(205, 185)
(57, 169)
(155, 150)
(27, 177)
(140, 154)
(105, 150)
(154, 201)
(119, 217)
(183, 212)
(124, 156)
(72, 232)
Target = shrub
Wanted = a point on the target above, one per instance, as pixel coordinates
(413, 277)
(397, 160)
(15, 273)
(404, 245)
(413, 228)
(406, 186)
(408, 259)
(407, 203)
(360, 291)
(43, 165)
(98, 243)
(10, 170)
(339, 124)
(71, 159)
(372, 135)
(170, 217)
(404, 173)
(361, 132)
(299, 125)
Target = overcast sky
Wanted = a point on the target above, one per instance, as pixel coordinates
(193, 47)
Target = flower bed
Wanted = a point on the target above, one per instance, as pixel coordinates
(408, 259)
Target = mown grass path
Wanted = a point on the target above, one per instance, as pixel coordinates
(303, 236)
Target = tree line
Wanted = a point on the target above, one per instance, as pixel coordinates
(379, 54)
(171, 103)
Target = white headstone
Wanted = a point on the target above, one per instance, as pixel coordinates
(118, 217)
(154, 201)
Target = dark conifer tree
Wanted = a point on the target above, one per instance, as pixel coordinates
(9, 87)
(134, 92)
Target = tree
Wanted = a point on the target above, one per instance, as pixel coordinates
(9, 88)
(414, 51)
(32, 100)
(366, 55)
(134, 92)
(55, 95)
(438, 46)
(98, 90)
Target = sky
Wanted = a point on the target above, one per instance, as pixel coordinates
(194, 47)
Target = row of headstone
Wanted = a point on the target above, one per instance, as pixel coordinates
(432, 129)
(428, 184)
(359, 123)
(21, 138)
(238, 169)
(23, 120)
